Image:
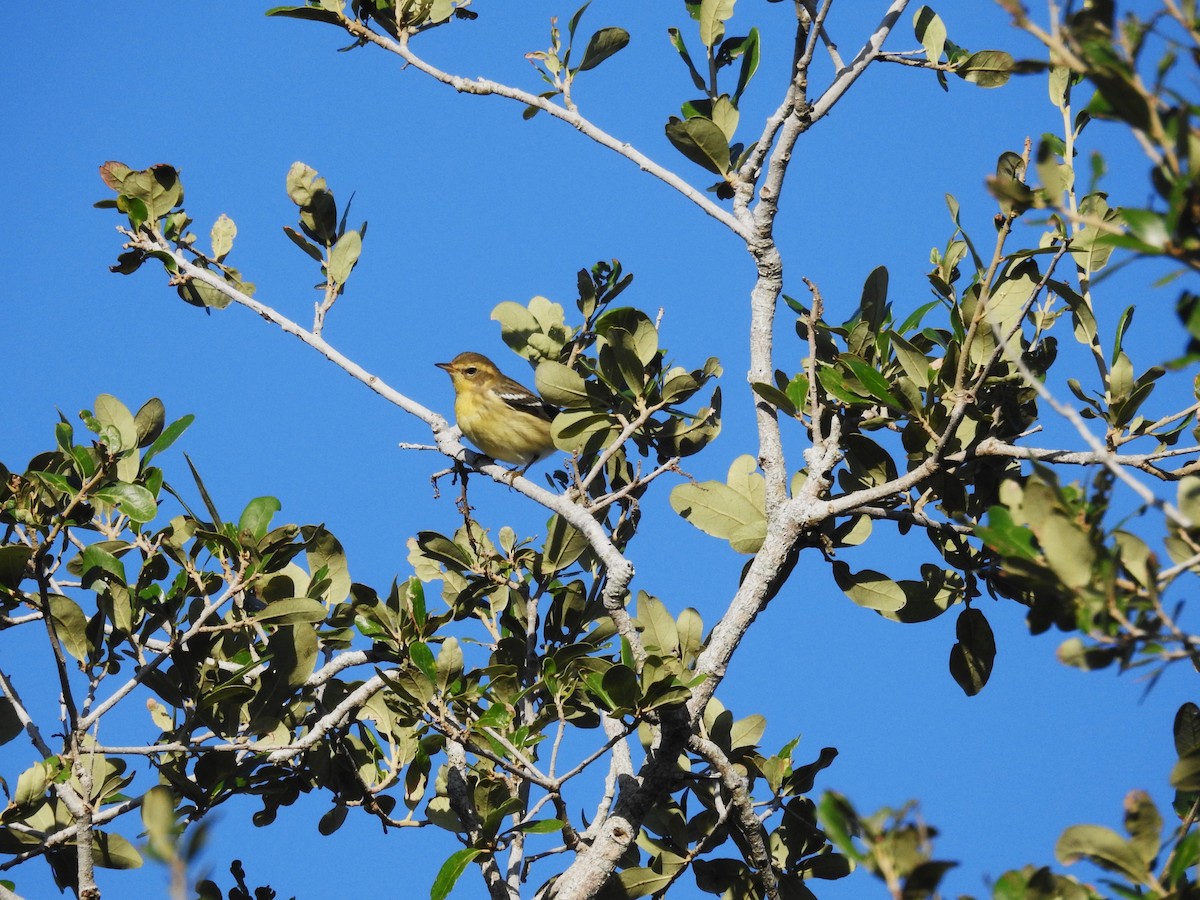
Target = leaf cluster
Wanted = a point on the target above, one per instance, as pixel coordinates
(614, 383)
(394, 16)
(322, 236)
(554, 67)
(152, 199)
(705, 133)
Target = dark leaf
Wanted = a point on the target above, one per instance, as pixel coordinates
(604, 43)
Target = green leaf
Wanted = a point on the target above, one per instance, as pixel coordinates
(1010, 295)
(582, 430)
(540, 826)
(222, 235)
(146, 194)
(292, 611)
(746, 733)
(168, 437)
(303, 243)
(1185, 774)
(422, 657)
(913, 361)
(690, 630)
(1144, 824)
(332, 820)
(132, 499)
(148, 421)
(1068, 548)
(603, 44)
(701, 141)
(304, 185)
(1147, 226)
(659, 632)
(10, 722)
(1187, 497)
(1102, 847)
(871, 380)
(927, 599)
(1088, 247)
(198, 293)
(13, 559)
(1187, 729)
(634, 332)
(1185, 855)
(573, 22)
(1075, 653)
(537, 332)
(111, 412)
(839, 821)
(1119, 97)
(344, 257)
(723, 510)
(256, 517)
(158, 815)
(111, 851)
(293, 656)
(834, 383)
(96, 562)
(972, 657)
(643, 881)
(620, 684)
(1082, 317)
(873, 305)
(775, 397)
(986, 68)
(54, 481)
(564, 545)
(70, 624)
(1059, 82)
(748, 50)
(868, 464)
(561, 385)
(869, 588)
(713, 15)
(725, 116)
(324, 551)
(136, 209)
(449, 663)
(311, 13)
(829, 866)
(681, 48)
(450, 871)
(931, 32)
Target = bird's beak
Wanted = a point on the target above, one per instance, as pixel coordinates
(445, 366)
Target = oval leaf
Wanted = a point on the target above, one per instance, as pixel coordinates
(604, 43)
(292, 610)
(701, 141)
(450, 871)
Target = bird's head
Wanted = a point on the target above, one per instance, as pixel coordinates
(470, 367)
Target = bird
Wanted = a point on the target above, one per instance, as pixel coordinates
(501, 417)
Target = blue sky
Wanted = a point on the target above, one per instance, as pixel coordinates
(469, 206)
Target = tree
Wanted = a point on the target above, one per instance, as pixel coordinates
(489, 710)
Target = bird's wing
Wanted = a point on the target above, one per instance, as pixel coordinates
(524, 400)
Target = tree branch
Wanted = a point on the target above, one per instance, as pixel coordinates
(619, 569)
(867, 55)
(750, 825)
(463, 805)
(570, 115)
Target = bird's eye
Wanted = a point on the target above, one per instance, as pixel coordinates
(470, 370)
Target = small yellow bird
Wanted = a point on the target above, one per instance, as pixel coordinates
(502, 418)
